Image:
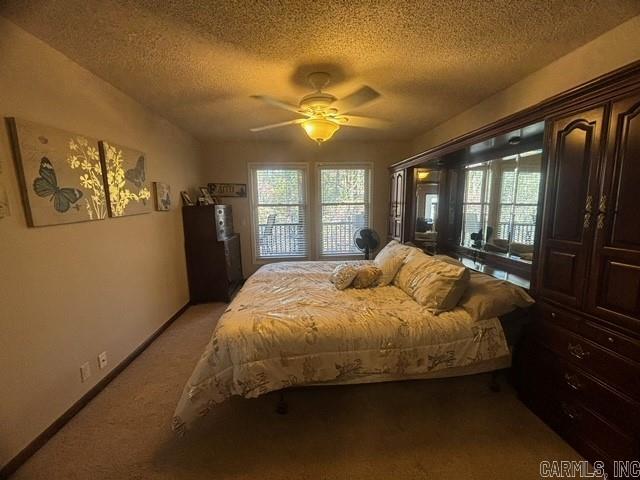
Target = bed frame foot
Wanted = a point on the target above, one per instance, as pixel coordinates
(282, 408)
(494, 385)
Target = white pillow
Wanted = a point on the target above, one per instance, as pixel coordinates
(435, 284)
(390, 259)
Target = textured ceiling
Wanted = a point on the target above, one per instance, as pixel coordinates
(197, 62)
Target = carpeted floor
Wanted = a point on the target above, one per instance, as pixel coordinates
(435, 429)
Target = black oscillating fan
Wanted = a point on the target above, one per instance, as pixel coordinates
(366, 240)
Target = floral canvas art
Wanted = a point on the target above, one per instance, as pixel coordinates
(60, 172)
(128, 190)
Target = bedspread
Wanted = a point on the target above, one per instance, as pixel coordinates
(290, 326)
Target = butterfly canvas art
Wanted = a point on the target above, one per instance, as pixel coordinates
(127, 187)
(60, 172)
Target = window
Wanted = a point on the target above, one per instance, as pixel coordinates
(344, 206)
(279, 207)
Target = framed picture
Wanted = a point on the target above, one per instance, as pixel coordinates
(228, 189)
(207, 196)
(4, 201)
(128, 191)
(61, 176)
(186, 199)
(163, 196)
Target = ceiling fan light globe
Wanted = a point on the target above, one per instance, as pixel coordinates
(319, 129)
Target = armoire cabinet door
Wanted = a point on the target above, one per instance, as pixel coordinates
(570, 203)
(615, 272)
(397, 205)
(392, 205)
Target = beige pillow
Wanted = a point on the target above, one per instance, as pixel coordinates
(389, 261)
(343, 275)
(448, 259)
(435, 284)
(396, 247)
(367, 276)
(488, 297)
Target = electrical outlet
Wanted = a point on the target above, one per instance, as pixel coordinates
(85, 371)
(102, 360)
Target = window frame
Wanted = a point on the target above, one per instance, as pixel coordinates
(317, 225)
(253, 207)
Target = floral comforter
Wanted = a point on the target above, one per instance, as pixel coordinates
(290, 326)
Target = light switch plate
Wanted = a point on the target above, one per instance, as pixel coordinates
(102, 360)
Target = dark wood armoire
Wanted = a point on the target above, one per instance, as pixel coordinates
(578, 364)
(212, 250)
(580, 367)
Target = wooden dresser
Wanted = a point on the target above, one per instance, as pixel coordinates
(580, 365)
(212, 250)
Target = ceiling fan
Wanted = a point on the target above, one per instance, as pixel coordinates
(323, 114)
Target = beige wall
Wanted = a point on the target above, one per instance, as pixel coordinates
(69, 292)
(228, 162)
(616, 48)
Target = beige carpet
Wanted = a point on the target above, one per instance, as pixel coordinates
(439, 429)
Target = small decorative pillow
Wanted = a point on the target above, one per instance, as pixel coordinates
(343, 275)
(435, 284)
(367, 276)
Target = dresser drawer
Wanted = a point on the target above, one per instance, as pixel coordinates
(622, 344)
(621, 373)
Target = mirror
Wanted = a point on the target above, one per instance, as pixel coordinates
(427, 191)
(500, 204)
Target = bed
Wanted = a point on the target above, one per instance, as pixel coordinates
(289, 326)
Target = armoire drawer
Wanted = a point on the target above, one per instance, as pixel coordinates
(549, 374)
(612, 369)
(581, 425)
(578, 386)
(578, 421)
(621, 344)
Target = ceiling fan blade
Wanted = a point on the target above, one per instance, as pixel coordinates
(363, 122)
(277, 103)
(277, 125)
(355, 100)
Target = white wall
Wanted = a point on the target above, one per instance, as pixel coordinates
(614, 49)
(228, 162)
(71, 291)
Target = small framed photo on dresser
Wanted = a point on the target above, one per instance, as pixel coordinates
(186, 199)
(207, 196)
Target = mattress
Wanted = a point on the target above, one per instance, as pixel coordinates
(289, 327)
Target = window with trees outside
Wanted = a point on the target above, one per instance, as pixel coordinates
(500, 204)
(344, 206)
(279, 210)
